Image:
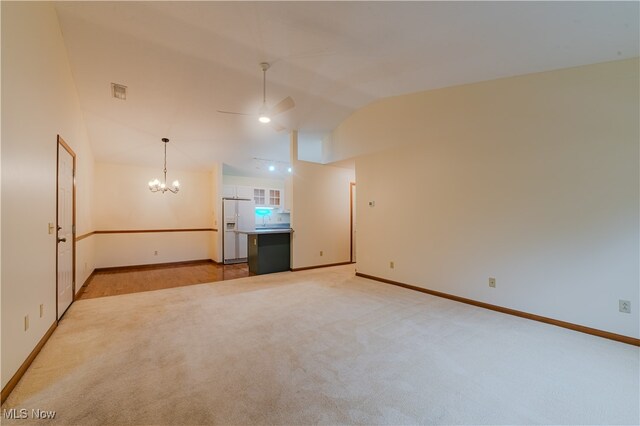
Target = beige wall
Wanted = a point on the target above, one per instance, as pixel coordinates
(39, 101)
(532, 180)
(124, 202)
(320, 214)
(140, 249)
(215, 240)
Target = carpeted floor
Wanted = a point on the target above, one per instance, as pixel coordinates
(320, 347)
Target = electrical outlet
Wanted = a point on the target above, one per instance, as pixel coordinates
(492, 282)
(321, 253)
(41, 310)
(624, 306)
(26, 322)
(155, 253)
(392, 264)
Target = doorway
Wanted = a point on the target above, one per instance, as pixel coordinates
(352, 198)
(65, 228)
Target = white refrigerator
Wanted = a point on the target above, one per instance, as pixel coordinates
(239, 217)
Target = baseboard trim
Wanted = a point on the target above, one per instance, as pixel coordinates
(153, 266)
(11, 384)
(85, 284)
(83, 236)
(144, 231)
(320, 266)
(575, 327)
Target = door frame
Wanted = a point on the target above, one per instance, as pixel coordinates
(351, 188)
(66, 147)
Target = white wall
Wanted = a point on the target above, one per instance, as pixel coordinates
(320, 213)
(310, 149)
(255, 182)
(124, 202)
(39, 101)
(532, 180)
(85, 260)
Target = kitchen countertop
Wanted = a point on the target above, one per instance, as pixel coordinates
(267, 231)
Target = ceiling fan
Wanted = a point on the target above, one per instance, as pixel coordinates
(265, 114)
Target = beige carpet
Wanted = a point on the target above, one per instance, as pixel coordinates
(320, 347)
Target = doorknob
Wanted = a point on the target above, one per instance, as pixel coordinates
(62, 240)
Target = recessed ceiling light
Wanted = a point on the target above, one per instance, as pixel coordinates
(119, 91)
(272, 168)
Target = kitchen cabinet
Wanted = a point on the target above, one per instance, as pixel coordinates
(237, 191)
(267, 197)
(274, 197)
(262, 197)
(269, 251)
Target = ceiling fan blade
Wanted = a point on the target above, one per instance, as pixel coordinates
(234, 113)
(284, 105)
(277, 127)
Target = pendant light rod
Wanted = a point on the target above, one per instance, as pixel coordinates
(157, 186)
(263, 114)
(265, 66)
(165, 140)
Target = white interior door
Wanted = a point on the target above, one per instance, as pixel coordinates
(65, 230)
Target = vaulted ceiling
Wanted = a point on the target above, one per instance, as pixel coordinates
(182, 61)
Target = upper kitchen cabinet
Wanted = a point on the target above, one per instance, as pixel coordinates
(260, 196)
(268, 197)
(237, 191)
(274, 197)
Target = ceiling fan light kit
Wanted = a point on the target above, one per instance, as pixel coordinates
(155, 185)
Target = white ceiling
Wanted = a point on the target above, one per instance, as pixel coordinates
(182, 61)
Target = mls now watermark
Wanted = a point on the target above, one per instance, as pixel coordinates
(23, 413)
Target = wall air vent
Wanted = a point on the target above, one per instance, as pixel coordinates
(119, 91)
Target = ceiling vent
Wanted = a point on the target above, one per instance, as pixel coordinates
(119, 91)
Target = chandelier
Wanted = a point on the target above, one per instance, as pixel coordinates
(157, 186)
